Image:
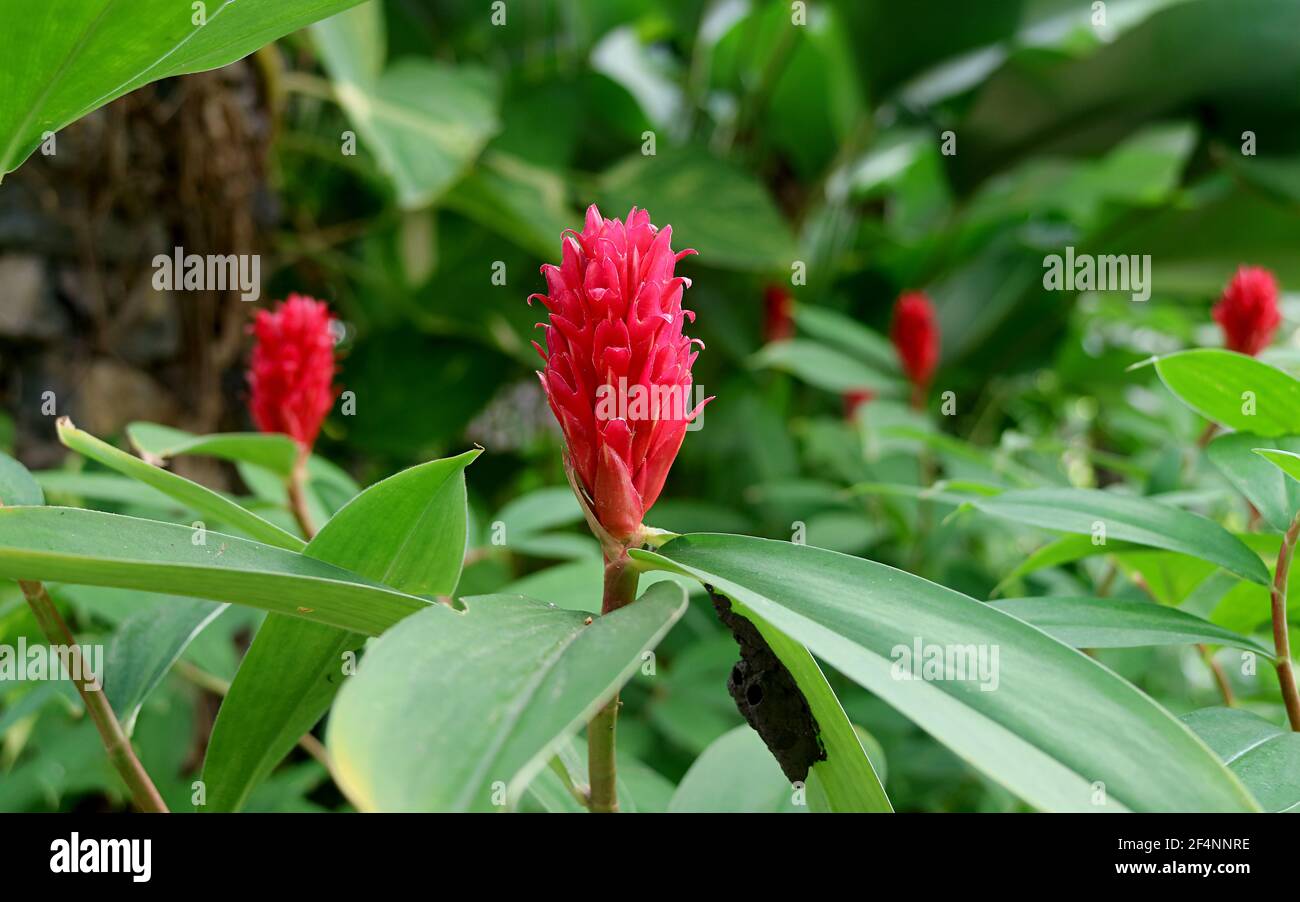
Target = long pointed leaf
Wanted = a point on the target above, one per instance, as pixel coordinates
(1047, 722)
(191, 494)
(408, 532)
(59, 544)
(457, 712)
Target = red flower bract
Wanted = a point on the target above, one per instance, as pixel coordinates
(618, 368)
(915, 333)
(1248, 310)
(291, 375)
(778, 320)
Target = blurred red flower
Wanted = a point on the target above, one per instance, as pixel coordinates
(778, 321)
(1248, 311)
(291, 375)
(915, 333)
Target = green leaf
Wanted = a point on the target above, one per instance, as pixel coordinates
(1057, 723)
(407, 532)
(1276, 497)
(1115, 623)
(1289, 463)
(526, 522)
(146, 645)
(848, 335)
(824, 367)
(739, 227)
(1234, 390)
(190, 494)
(424, 120)
(91, 548)
(17, 486)
(517, 200)
(158, 444)
(1265, 756)
(105, 487)
(1138, 520)
(736, 774)
(1065, 550)
(73, 57)
(426, 726)
(1046, 103)
(847, 780)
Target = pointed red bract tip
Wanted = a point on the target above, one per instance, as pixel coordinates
(915, 334)
(617, 368)
(1248, 311)
(291, 374)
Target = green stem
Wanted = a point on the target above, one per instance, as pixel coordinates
(620, 589)
(116, 743)
(1281, 640)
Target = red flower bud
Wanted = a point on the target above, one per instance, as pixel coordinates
(1248, 310)
(915, 333)
(618, 368)
(291, 375)
(855, 398)
(778, 321)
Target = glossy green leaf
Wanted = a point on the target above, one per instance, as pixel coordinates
(407, 532)
(191, 494)
(60, 544)
(1234, 390)
(736, 774)
(156, 443)
(1065, 550)
(520, 202)
(1276, 497)
(449, 704)
(1117, 623)
(1264, 755)
(824, 367)
(18, 487)
(739, 227)
(1289, 463)
(1138, 520)
(69, 57)
(1053, 725)
(424, 120)
(848, 335)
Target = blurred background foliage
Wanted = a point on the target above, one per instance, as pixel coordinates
(772, 148)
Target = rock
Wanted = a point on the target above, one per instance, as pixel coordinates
(28, 308)
(110, 394)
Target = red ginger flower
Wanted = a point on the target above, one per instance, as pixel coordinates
(1248, 310)
(915, 333)
(778, 321)
(292, 371)
(618, 368)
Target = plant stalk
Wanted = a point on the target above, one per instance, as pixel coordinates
(620, 589)
(298, 496)
(116, 744)
(1281, 640)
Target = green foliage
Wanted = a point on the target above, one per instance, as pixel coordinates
(477, 733)
(76, 57)
(425, 161)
